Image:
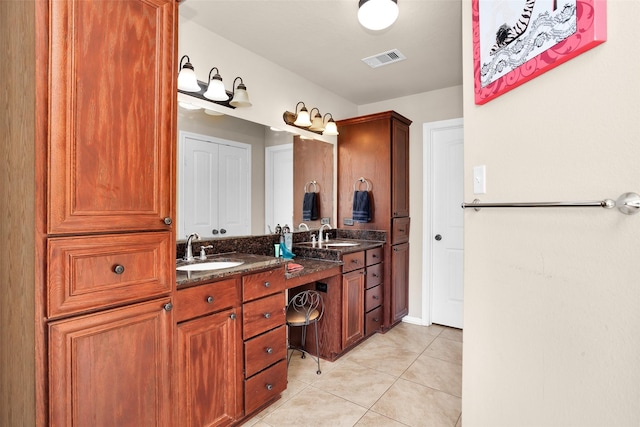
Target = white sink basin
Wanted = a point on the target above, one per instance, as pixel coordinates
(213, 265)
(341, 244)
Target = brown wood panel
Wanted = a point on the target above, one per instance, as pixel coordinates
(373, 321)
(83, 275)
(263, 314)
(353, 307)
(112, 115)
(399, 169)
(374, 275)
(265, 350)
(353, 261)
(209, 356)
(265, 386)
(207, 298)
(400, 272)
(112, 368)
(372, 298)
(374, 256)
(261, 284)
(400, 230)
(312, 161)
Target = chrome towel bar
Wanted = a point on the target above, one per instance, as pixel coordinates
(627, 203)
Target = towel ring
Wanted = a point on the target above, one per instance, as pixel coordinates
(309, 184)
(356, 184)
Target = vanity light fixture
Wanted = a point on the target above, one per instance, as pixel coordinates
(215, 90)
(302, 117)
(316, 122)
(330, 127)
(240, 97)
(187, 80)
(377, 15)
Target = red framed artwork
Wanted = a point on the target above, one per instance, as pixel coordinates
(517, 40)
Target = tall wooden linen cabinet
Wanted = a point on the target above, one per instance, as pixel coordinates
(376, 148)
(91, 143)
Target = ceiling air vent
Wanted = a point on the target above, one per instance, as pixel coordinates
(384, 58)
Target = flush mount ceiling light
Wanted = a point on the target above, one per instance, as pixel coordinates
(240, 97)
(377, 15)
(187, 80)
(215, 90)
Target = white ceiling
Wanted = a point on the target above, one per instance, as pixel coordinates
(323, 41)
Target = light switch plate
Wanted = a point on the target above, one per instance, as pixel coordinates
(479, 179)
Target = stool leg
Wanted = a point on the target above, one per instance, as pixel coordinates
(317, 350)
(304, 339)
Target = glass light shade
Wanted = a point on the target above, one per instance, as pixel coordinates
(215, 90)
(240, 97)
(317, 123)
(188, 106)
(377, 14)
(302, 119)
(330, 128)
(187, 80)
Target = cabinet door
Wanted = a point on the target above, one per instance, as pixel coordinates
(352, 307)
(112, 368)
(210, 370)
(400, 281)
(399, 169)
(112, 115)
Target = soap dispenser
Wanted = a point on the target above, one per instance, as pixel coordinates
(288, 237)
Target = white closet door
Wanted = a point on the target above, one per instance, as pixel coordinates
(234, 196)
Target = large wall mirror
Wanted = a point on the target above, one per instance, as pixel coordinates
(238, 178)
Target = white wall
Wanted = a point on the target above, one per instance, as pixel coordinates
(552, 297)
(420, 108)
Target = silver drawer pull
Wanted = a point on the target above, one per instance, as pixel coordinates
(267, 315)
(209, 299)
(376, 297)
(269, 387)
(118, 269)
(268, 350)
(232, 316)
(267, 284)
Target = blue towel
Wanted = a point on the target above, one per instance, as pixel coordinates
(310, 207)
(361, 207)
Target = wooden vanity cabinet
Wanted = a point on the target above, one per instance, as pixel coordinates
(373, 291)
(376, 147)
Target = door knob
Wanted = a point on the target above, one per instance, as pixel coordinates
(438, 237)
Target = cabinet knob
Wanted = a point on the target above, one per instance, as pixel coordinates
(375, 275)
(118, 269)
(269, 387)
(232, 316)
(354, 261)
(376, 297)
(209, 299)
(167, 220)
(268, 350)
(168, 307)
(214, 231)
(402, 230)
(267, 284)
(375, 319)
(223, 231)
(267, 315)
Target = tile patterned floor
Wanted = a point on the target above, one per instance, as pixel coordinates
(410, 376)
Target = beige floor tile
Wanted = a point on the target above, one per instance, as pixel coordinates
(304, 370)
(356, 383)
(372, 419)
(436, 373)
(391, 360)
(459, 423)
(314, 407)
(444, 349)
(409, 337)
(418, 406)
(452, 334)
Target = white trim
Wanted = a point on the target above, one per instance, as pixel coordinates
(427, 212)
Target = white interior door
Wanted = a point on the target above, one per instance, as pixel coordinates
(447, 222)
(234, 200)
(278, 192)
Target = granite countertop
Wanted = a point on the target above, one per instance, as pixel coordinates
(327, 252)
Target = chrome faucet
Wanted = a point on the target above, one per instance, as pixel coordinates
(302, 224)
(188, 256)
(320, 238)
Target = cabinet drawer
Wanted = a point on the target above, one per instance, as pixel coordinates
(372, 298)
(265, 350)
(373, 320)
(204, 299)
(353, 261)
(400, 230)
(374, 275)
(265, 386)
(262, 284)
(261, 315)
(374, 256)
(87, 273)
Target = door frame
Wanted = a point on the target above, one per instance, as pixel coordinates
(427, 211)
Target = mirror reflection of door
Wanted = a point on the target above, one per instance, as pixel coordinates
(214, 191)
(278, 191)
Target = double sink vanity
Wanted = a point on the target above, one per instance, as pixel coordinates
(230, 314)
